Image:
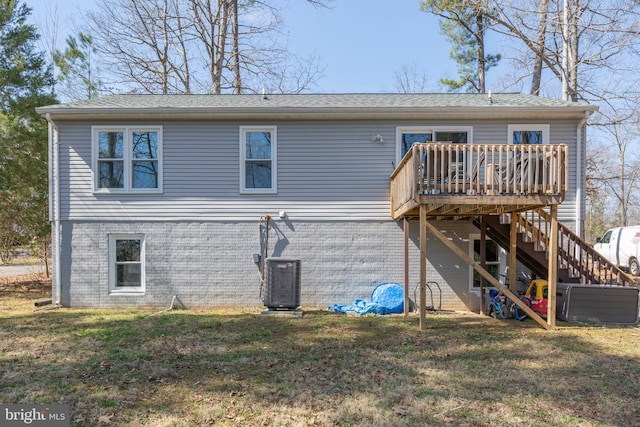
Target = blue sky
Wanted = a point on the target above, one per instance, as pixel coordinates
(364, 42)
(361, 43)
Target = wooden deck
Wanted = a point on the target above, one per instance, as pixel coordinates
(462, 180)
(452, 181)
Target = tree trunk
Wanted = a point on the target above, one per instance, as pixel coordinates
(185, 74)
(573, 51)
(165, 49)
(481, 58)
(237, 79)
(570, 39)
(222, 19)
(623, 194)
(565, 50)
(539, 47)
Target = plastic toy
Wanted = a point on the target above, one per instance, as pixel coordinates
(500, 307)
(536, 297)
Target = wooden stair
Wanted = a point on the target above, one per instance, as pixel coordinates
(578, 262)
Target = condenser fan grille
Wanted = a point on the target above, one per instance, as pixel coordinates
(282, 283)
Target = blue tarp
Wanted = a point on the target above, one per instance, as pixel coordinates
(387, 298)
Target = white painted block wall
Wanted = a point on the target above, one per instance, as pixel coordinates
(209, 264)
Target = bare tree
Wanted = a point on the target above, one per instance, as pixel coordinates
(143, 44)
(48, 40)
(540, 47)
(598, 202)
(235, 48)
(204, 46)
(211, 22)
(410, 79)
(585, 44)
(618, 166)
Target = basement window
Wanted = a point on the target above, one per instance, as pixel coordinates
(126, 264)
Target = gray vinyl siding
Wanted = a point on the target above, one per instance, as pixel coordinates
(326, 171)
(566, 133)
(339, 173)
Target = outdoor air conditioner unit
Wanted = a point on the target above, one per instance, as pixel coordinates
(282, 283)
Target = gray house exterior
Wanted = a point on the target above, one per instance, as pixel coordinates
(155, 196)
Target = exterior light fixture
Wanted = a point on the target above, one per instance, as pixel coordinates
(377, 138)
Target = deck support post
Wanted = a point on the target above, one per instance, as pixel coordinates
(483, 263)
(484, 273)
(513, 247)
(405, 224)
(423, 268)
(552, 275)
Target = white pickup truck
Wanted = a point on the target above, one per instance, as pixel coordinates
(621, 247)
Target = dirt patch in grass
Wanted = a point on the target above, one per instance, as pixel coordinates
(241, 368)
(29, 284)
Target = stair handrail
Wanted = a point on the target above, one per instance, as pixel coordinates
(588, 262)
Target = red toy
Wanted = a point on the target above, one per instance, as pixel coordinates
(537, 296)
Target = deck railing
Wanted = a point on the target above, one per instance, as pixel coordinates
(480, 169)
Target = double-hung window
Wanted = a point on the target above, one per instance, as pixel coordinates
(528, 134)
(126, 264)
(127, 159)
(258, 165)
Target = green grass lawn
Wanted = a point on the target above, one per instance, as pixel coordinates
(240, 368)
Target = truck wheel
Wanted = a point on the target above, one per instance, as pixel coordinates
(634, 267)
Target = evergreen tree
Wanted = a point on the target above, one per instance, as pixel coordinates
(464, 23)
(25, 83)
(77, 70)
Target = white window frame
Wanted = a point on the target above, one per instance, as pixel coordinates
(544, 128)
(274, 160)
(127, 159)
(428, 129)
(501, 259)
(113, 289)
